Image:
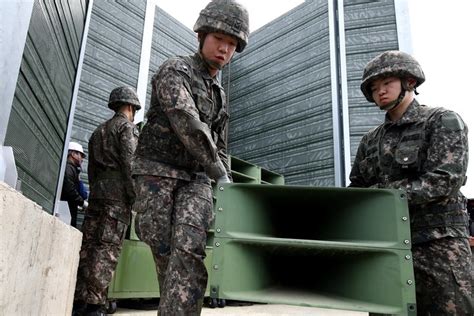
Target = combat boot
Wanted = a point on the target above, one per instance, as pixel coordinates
(95, 310)
(79, 308)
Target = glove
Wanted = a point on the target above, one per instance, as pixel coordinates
(215, 170)
(85, 205)
(223, 179)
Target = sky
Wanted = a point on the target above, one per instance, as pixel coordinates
(442, 35)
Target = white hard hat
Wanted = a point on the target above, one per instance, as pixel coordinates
(76, 147)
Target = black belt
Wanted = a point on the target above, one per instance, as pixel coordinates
(440, 219)
(438, 208)
(199, 176)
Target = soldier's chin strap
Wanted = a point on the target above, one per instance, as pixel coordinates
(394, 103)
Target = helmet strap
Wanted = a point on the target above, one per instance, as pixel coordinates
(133, 110)
(201, 38)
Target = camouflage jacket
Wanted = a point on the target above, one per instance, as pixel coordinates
(424, 153)
(186, 128)
(111, 149)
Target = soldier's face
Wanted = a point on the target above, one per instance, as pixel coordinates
(218, 49)
(385, 90)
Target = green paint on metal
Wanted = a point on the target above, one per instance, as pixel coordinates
(339, 248)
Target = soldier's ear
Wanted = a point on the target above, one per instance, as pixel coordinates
(411, 83)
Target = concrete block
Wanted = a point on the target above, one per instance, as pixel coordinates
(39, 255)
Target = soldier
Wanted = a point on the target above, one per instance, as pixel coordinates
(181, 148)
(71, 190)
(423, 151)
(111, 148)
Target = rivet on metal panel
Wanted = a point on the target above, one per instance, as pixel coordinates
(217, 244)
(406, 241)
(220, 209)
(409, 282)
(404, 218)
(408, 257)
(218, 230)
(216, 267)
(221, 188)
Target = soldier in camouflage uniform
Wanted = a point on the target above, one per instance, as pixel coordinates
(423, 151)
(182, 146)
(111, 148)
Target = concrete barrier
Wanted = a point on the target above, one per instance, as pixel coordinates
(39, 255)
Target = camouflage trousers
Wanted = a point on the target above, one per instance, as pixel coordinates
(103, 230)
(443, 277)
(173, 217)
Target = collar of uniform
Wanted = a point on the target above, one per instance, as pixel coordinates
(121, 114)
(202, 66)
(412, 114)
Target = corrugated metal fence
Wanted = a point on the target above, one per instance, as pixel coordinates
(39, 115)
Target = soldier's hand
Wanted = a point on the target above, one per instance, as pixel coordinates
(215, 169)
(85, 205)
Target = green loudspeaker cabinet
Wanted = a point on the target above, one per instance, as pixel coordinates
(246, 172)
(339, 248)
(135, 276)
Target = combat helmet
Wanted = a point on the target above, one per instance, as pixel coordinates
(225, 16)
(123, 95)
(391, 64)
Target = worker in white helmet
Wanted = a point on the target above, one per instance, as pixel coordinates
(71, 191)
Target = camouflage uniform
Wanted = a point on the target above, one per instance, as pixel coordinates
(181, 148)
(182, 143)
(425, 153)
(111, 148)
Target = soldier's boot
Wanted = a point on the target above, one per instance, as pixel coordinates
(78, 308)
(199, 306)
(95, 310)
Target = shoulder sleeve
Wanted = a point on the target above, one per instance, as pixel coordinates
(173, 88)
(452, 121)
(128, 138)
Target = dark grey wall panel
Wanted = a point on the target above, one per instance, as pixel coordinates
(38, 119)
(280, 97)
(170, 38)
(370, 28)
(111, 59)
